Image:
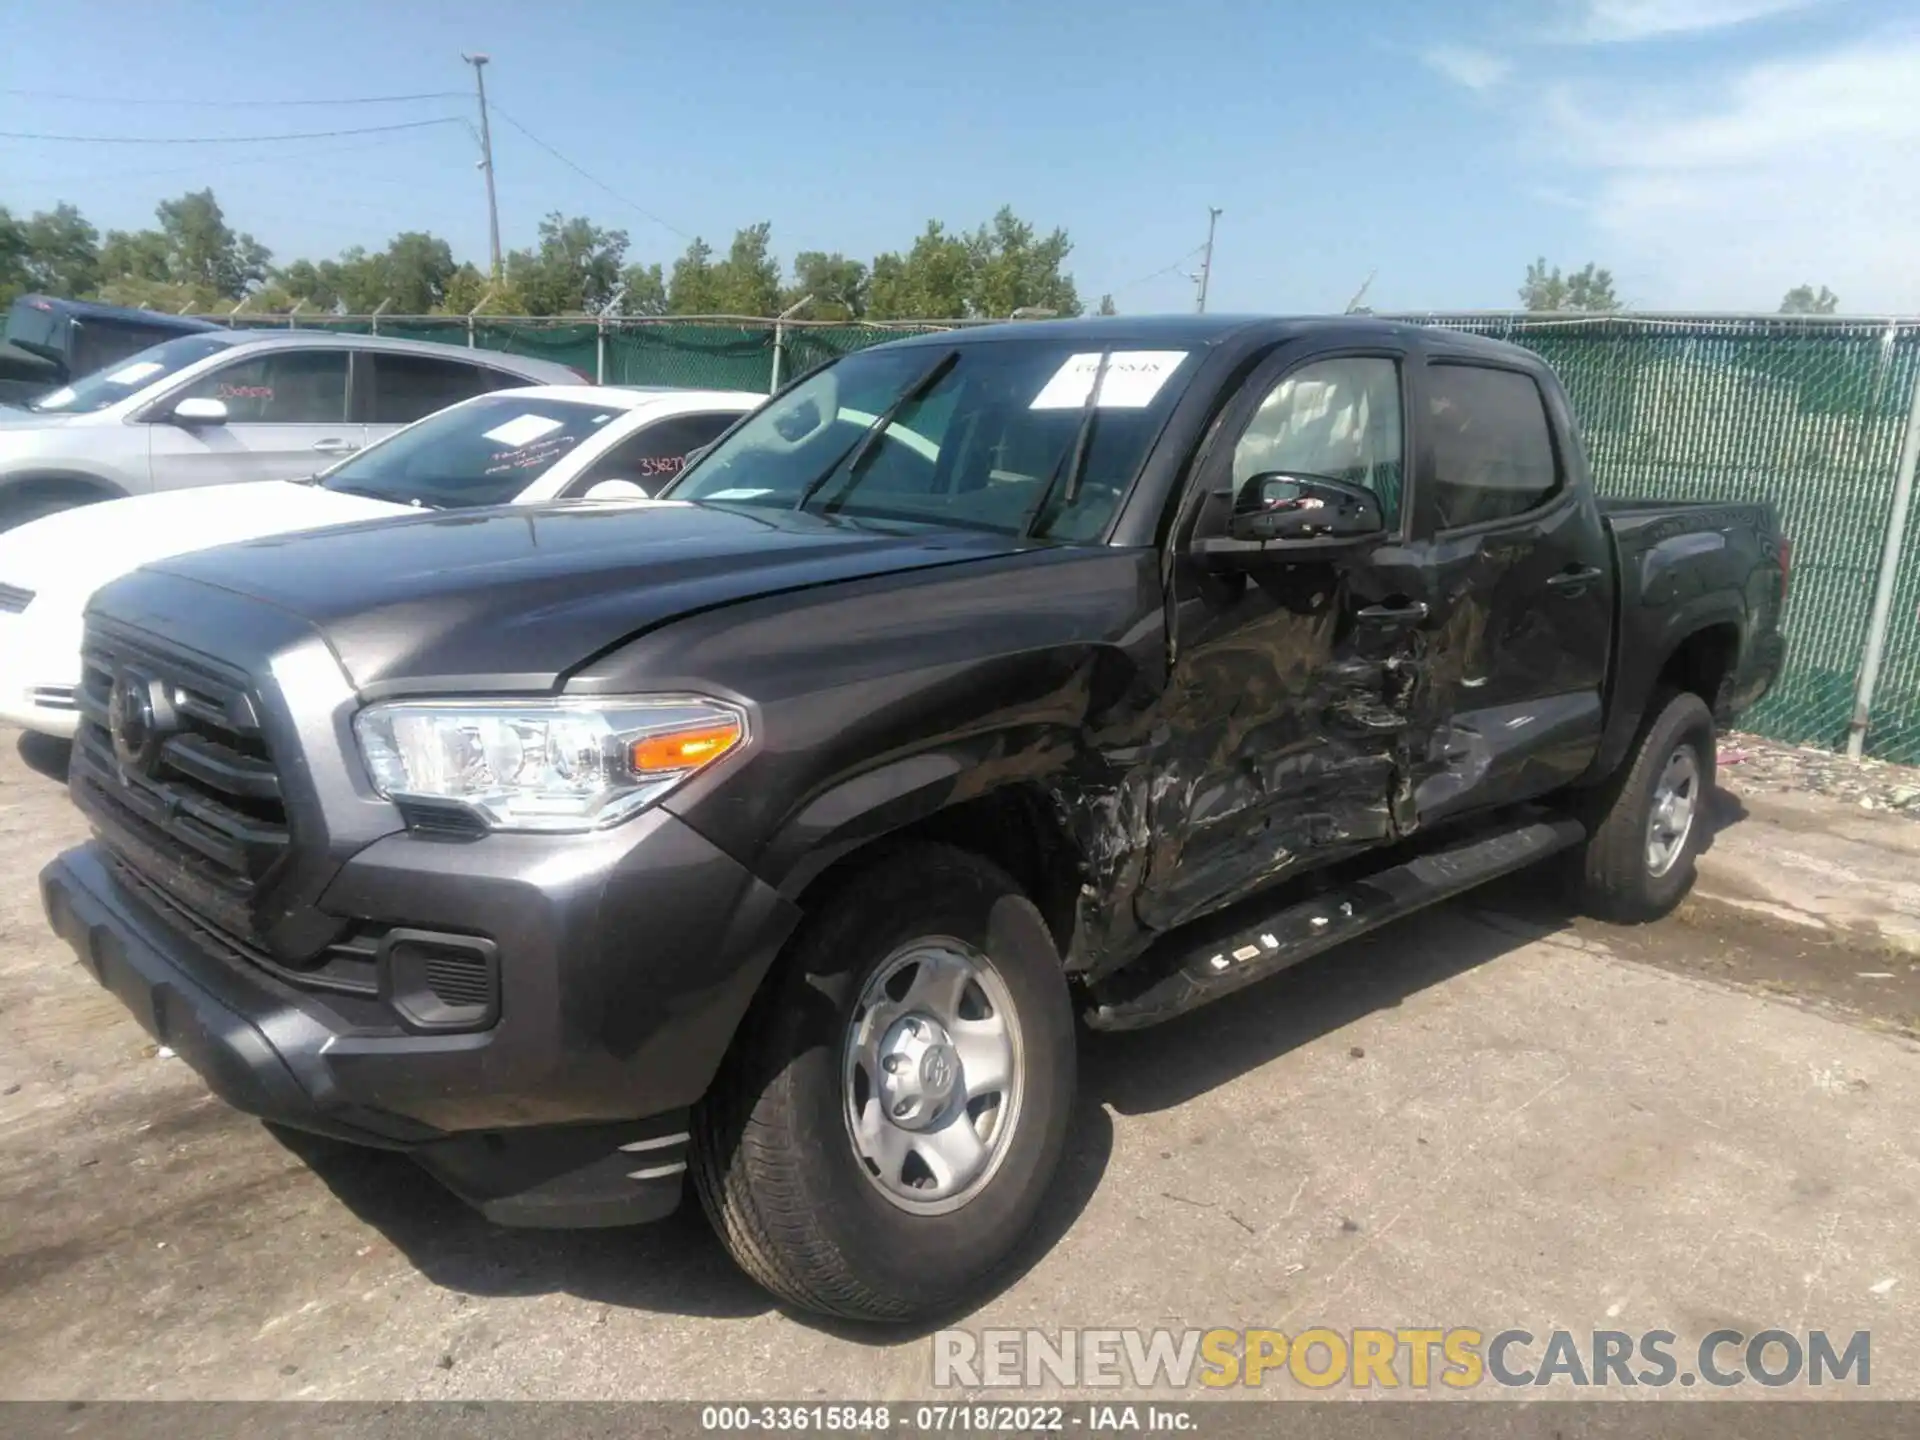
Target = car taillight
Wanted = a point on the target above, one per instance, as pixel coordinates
(1786, 565)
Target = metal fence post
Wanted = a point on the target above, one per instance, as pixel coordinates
(373, 320)
(780, 339)
(1882, 614)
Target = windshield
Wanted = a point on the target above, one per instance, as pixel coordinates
(130, 376)
(33, 325)
(484, 452)
(983, 436)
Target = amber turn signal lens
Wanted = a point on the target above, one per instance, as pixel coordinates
(679, 750)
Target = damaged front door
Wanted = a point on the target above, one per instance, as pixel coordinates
(1289, 701)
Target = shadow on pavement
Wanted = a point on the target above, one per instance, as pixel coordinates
(678, 1266)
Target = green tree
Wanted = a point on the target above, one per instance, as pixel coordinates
(13, 257)
(203, 250)
(690, 288)
(574, 270)
(747, 282)
(1805, 300)
(1001, 267)
(1014, 269)
(465, 288)
(1587, 289)
(164, 295)
(63, 252)
(645, 290)
(1106, 306)
(416, 269)
(931, 281)
(134, 255)
(838, 286)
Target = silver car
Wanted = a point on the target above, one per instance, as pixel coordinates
(233, 405)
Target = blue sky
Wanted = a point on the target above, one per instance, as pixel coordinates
(1713, 153)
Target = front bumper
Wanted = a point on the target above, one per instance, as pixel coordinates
(625, 959)
(39, 670)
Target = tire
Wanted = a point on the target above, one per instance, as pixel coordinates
(18, 511)
(1621, 875)
(774, 1149)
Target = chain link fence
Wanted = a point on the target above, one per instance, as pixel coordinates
(1808, 413)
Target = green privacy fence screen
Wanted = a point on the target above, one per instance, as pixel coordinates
(1806, 413)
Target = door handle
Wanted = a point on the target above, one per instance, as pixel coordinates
(1574, 579)
(1411, 613)
(335, 447)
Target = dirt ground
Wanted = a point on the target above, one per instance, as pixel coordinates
(1493, 1115)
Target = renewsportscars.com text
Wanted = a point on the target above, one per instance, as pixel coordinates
(1401, 1358)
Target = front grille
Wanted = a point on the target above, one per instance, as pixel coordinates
(199, 812)
(13, 599)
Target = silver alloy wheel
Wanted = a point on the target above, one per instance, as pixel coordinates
(932, 1075)
(1676, 800)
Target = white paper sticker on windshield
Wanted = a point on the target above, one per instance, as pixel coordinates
(133, 374)
(521, 430)
(1133, 378)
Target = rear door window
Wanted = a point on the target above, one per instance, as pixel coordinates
(405, 388)
(656, 454)
(1493, 455)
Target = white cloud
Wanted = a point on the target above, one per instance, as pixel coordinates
(1605, 21)
(1475, 69)
(1798, 171)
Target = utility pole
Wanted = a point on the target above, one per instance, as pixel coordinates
(1206, 260)
(486, 158)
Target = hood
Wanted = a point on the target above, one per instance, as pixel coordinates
(76, 551)
(512, 599)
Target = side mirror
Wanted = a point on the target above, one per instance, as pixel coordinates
(1277, 516)
(614, 490)
(195, 410)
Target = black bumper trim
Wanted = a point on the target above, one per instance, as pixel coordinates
(243, 1061)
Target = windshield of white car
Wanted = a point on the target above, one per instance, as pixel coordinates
(483, 452)
(1000, 435)
(129, 376)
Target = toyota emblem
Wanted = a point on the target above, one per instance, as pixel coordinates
(139, 719)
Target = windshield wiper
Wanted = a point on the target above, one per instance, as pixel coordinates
(855, 455)
(1073, 459)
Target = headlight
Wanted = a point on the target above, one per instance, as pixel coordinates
(569, 764)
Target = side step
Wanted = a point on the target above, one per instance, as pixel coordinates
(1184, 971)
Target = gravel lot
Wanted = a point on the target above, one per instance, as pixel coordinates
(1490, 1116)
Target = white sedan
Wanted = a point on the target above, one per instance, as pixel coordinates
(511, 447)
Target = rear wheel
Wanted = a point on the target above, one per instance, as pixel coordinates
(1647, 827)
(895, 1106)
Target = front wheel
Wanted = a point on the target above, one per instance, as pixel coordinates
(892, 1113)
(1647, 827)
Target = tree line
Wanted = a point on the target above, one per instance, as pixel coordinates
(1589, 290)
(193, 260)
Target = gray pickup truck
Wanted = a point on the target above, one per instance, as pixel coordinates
(777, 834)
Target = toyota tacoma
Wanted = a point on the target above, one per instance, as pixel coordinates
(777, 833)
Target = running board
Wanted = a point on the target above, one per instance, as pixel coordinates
(1190, 974)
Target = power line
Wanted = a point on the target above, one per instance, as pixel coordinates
(231, 104)
(586, 175)
(1155, 275)
(231, 162)
(224, 139)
